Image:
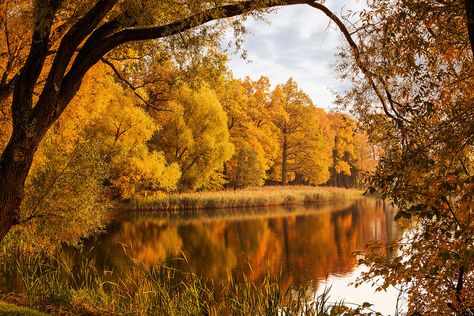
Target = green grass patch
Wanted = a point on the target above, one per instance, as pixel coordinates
(254, 197)
(10, 310)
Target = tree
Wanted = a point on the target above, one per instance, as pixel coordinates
(290, 106)
(416, 92)
(195, 136)
(123, 134)
(86, 159)
(343, 152)
(251, 130)
(66, 39)
(313, 149)
(366, 159)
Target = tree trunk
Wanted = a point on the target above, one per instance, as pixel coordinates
(283, 159)
(15, 163)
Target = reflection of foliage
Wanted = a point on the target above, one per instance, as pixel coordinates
(303, 246)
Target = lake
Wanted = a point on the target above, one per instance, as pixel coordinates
(305, 245)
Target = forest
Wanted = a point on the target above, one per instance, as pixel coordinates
(104, 102)
(151, 128)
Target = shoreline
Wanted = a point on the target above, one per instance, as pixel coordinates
(269, 196)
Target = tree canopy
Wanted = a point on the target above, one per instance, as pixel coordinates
(416, 93)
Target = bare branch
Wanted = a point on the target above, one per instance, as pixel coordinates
(132, 87)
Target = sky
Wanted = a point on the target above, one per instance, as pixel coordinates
(296, 42)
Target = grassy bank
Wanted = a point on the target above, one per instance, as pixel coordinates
(255, 197)
(53, 286)
(7, 309)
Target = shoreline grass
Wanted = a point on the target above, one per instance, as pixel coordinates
(54, 286)
(253, 197)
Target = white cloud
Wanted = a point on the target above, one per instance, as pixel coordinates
(298, 43)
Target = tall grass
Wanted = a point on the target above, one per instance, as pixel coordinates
(53, 286)
(256, 197)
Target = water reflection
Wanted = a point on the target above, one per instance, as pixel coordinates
(304, 244)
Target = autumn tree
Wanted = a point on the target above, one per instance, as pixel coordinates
(312, 148)
(247, 104)
(291, 110)
(195, 136)
(366, 159)
(343, 150)
(86, 160)
(123, 134)
(412, 75)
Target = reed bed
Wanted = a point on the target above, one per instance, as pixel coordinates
(56, 287)
(255, 197)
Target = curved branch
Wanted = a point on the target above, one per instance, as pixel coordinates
(357, 55)
(100, 44)
(132, 87)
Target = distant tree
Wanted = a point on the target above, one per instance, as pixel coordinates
(290, 106)
(251, 130)
(366, 159)
(312, 159)
(248, 170)
(343, 149)
(194, 135)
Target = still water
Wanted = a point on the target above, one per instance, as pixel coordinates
(304, 244)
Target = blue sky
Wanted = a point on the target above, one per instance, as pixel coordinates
(296, 42)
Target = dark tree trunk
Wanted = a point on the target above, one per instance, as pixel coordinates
(14, 166)
(284, 155)
(470, 22)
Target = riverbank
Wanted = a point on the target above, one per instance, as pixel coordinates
(10, 309)
(254, 197)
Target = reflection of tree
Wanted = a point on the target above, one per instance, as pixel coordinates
(206, 249)
(304, 245)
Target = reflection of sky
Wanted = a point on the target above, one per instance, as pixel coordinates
(384, 302)
(297, 43)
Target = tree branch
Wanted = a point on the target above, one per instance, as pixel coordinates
(469, 5)
(28, 75)
(132, 87)
(97, 46)
(357, 56)
(69, 43)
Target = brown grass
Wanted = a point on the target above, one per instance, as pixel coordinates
(254, 197)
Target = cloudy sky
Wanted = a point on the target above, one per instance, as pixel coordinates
(296, 42)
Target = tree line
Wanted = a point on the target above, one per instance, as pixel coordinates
(187, 132)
